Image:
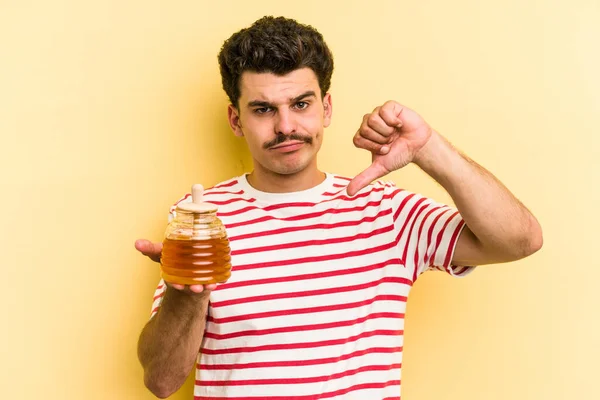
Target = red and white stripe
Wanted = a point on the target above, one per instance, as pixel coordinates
(315, 305)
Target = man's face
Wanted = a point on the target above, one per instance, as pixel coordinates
(282, 119)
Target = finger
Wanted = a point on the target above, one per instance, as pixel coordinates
(375, 122)
(362, 180)
(196, 288)
(390, 113)
(176, 286)
(373, 135)
(193, 288)
(203, 288)
(147, 248)
(373, 147)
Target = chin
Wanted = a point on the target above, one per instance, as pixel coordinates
(289, 169)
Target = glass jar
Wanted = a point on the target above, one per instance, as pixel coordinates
(196, 248)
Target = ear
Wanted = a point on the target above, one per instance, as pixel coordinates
(233, 115)
(328, 109)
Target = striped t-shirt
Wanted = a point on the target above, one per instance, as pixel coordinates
(314, 308)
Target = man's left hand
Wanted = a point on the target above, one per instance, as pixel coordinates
(394, 135)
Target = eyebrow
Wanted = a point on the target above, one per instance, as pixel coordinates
(258, 103)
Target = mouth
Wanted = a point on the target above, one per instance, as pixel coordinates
(288, 146)
(282, 141)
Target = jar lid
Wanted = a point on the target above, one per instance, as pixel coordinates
(197, 205)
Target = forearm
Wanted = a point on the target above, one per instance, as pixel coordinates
(499, 221)
(169, 343)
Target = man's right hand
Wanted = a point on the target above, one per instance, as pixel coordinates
(153, 251)
(149, 249)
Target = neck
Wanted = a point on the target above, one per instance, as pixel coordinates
(271, 182)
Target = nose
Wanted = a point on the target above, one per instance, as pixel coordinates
(285, 123)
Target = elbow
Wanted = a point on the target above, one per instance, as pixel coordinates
(534, 239)
(537, 241)
(159, 388)
(163, 386)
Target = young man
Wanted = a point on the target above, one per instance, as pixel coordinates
(322, 264)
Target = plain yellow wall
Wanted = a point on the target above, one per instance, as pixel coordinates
(110, 110)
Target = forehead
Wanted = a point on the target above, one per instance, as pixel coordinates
(266, 86)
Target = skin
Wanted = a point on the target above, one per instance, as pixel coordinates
(288, 108)
(282, 119)
(499, 227)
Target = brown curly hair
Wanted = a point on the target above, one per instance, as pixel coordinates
(277, 45)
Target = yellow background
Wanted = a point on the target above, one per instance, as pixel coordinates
(110, 110)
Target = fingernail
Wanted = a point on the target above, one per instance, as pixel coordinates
(384, 150)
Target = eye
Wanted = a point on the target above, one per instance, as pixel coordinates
(301, 105)
(262, 110)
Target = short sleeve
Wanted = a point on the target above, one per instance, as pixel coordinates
(159, 293)
(427, 233)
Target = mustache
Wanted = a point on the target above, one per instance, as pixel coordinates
(285, 138)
